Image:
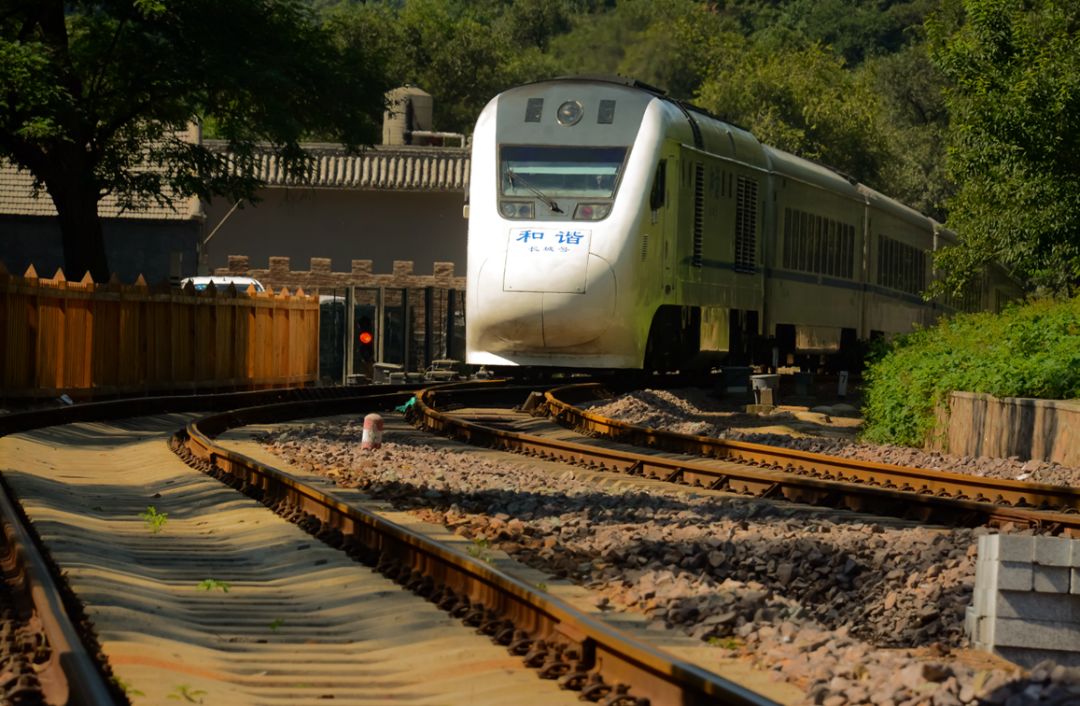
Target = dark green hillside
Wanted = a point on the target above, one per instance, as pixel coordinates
(968, 110)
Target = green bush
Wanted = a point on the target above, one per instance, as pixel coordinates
(1030, 350)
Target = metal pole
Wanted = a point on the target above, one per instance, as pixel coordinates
(380, 323)
(350, 332)
(429, 323)
(406, 329)
(451, 301)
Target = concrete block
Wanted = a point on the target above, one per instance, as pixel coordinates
(1036, 634)
(1005, 576)
(987, 548)
(1028, 658)
(1050, 579)
(1054, 551)
(980, 600)
(1028, 605)
(971, 622)
(984, 631)
(1075, 582)
(1015, 547)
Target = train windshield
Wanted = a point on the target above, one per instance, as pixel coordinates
(590, 172)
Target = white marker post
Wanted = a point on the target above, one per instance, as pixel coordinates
(373, 427)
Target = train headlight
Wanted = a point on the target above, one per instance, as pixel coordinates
(569, 113)
(591, 211)
(516, 209)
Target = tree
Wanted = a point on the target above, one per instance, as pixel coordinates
(94, 95)
(798, 97)
(1014, 138)
(915, 120)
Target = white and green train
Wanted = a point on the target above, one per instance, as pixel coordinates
(613, 227)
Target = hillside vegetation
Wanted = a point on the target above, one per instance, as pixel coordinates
(1030, 350)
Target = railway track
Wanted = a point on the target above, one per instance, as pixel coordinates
(764, 471)
(582, 653)
(41, 633)
(549, 636)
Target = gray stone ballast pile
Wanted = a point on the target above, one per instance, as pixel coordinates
(812, 597)
(693, 412)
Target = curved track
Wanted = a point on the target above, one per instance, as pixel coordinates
(44, 657)
(583, 653)
(223, 603)
(767, 471)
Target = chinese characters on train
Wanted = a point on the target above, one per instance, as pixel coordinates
(541, 241)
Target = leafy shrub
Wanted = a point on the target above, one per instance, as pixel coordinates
(1030, 350)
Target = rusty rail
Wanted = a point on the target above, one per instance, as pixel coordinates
(586, 654)
(71, 675)
(957, 485)
(768, 471)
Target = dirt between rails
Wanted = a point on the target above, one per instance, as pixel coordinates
(851, 612)
(828, 429)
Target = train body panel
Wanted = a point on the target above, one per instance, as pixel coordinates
(611, 227)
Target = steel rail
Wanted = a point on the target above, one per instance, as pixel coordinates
(1062, 499)
(71, 675)
(767, 471)
(585, 653)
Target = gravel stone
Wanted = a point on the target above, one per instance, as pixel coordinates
(693, 411)
(843, 609)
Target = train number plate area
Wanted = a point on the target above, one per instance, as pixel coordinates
(547, 260)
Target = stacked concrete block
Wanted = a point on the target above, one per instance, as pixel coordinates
(1027, 599)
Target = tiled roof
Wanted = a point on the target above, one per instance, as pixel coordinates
(405, 168)
(17, 199)
(399, 168)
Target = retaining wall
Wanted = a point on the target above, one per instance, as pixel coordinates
(984, 425)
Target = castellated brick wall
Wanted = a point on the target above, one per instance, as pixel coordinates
(320, 277)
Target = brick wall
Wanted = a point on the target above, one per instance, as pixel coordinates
(320, 276)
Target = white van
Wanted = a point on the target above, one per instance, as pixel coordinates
(222, 282)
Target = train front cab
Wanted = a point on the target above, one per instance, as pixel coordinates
(553, 218)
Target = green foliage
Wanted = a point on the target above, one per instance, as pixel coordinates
(726, 643)
(642, 39)
(276, 623)
(126, 687)
(187, 694)
(97, 97)
(155, 521)
(798, 97)
(1014, 150)
(854, 30)
(1031, 350)
(213, 584)
(480, 549)
(914, 123)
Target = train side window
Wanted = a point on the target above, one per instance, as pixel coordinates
(659, 187)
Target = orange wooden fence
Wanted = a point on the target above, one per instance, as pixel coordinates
(88, 339)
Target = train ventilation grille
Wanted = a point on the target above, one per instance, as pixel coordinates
(644, 246)
(699, 212)
(745, 224)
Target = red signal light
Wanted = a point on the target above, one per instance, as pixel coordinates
(366, 338)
